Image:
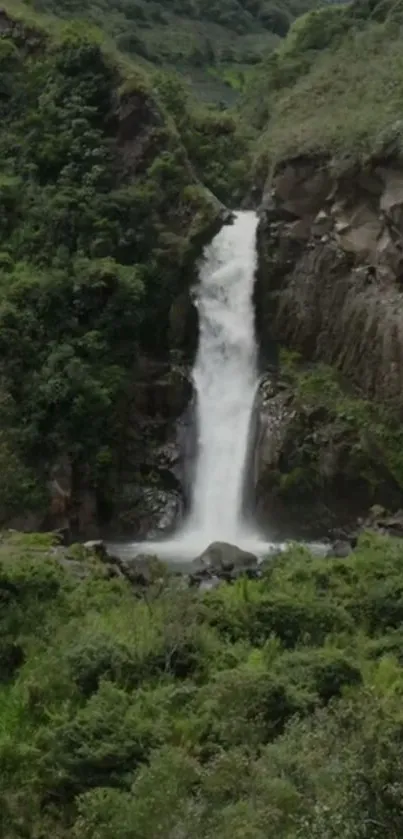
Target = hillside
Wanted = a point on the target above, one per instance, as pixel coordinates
(318, 92)
(213, 44)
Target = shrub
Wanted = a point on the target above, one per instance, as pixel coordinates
(103, 743)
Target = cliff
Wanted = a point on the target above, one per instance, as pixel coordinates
(329, 289)
(332, 259)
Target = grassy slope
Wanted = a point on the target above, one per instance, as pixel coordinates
(335, 84)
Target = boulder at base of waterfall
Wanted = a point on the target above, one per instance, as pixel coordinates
(97, 547)
(340, 549)
(223, 561)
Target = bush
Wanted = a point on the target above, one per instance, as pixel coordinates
(324, 673)
(103, 743)
(242, 707)
(257, 619)
(101, 658)
(159, 800)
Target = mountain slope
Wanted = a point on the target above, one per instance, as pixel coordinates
(210, 42)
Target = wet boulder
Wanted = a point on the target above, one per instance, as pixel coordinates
(340, 549)
(381, 521)
(223, 561)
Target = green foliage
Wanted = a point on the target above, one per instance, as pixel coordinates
(365, 438)
(102, 744)
(267, 734)
(95, 247)
(214, 141)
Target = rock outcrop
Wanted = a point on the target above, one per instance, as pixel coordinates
(309, 477)
(149, 496)
(223, 561)
(331, 269)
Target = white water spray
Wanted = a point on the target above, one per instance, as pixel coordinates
(225, 378)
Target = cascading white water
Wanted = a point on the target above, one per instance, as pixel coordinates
(225, 378)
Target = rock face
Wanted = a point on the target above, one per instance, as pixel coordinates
(330, 286)
(305, 483)
(149, 498)
(380, 521)
(316, 469)
(331, 269)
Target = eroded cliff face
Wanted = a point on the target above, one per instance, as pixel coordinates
(330, 287)
(331, 272)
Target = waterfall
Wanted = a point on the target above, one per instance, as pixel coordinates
(225, 378)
